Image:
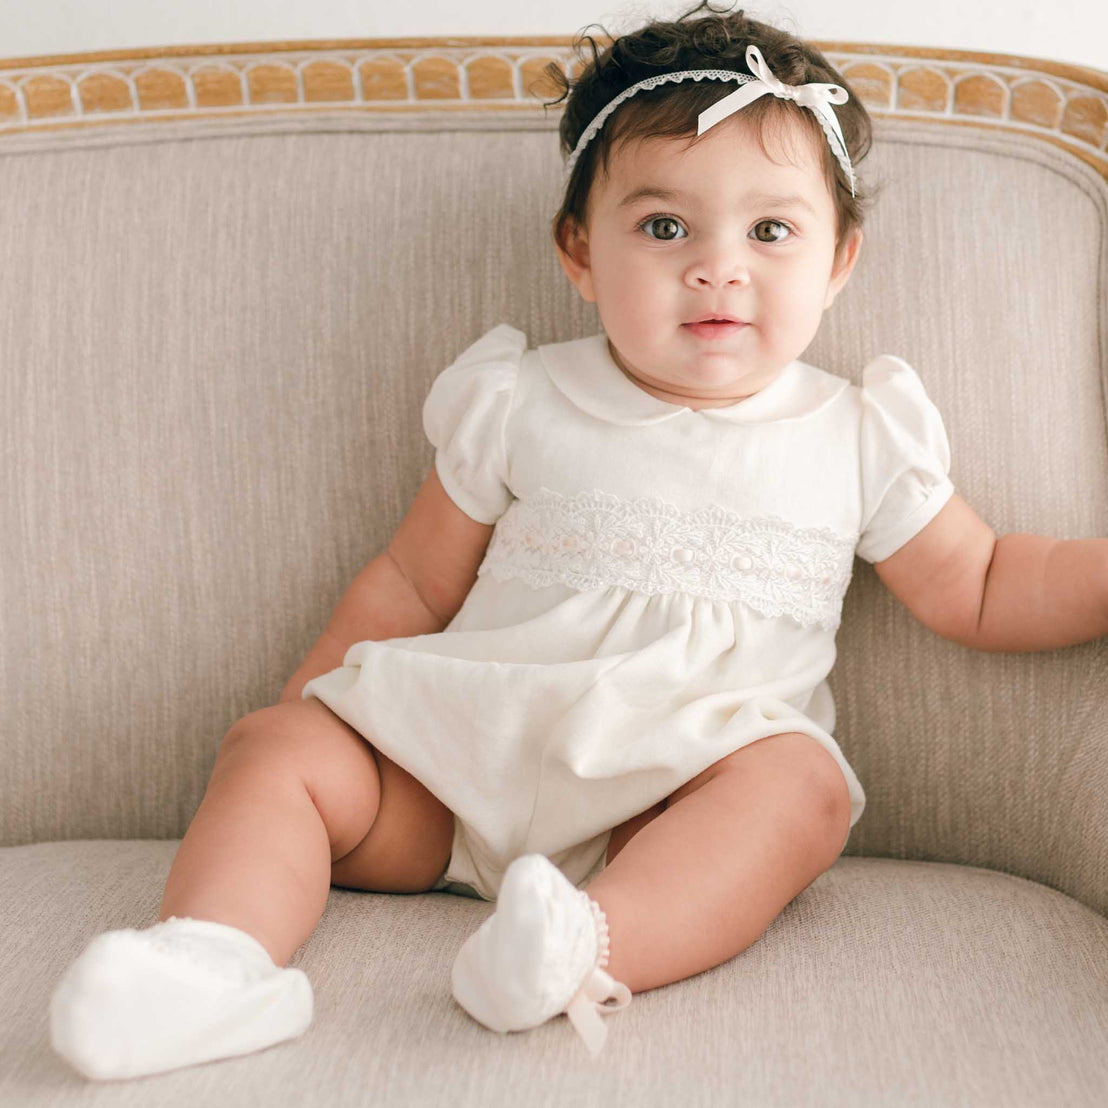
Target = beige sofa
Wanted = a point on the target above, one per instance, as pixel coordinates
(227, 279)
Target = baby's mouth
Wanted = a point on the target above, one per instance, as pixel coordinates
(714, 327)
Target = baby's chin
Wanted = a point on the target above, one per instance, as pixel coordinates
(709, 380)
(713, 385)
(696, 394)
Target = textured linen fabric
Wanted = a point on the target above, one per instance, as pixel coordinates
(672, 598)
(217, 336)
(884, 983)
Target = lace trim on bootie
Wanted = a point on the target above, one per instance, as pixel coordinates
(227, 954)
(599, 992)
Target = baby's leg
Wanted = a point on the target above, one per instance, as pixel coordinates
(298, 799)
(703, 879)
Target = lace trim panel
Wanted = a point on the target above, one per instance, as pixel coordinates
(595, 540)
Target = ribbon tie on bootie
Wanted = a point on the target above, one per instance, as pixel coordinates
(588, 1004)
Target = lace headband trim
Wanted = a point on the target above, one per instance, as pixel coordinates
(817, 97)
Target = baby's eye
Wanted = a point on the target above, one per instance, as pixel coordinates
(771, 230)
(666, 228)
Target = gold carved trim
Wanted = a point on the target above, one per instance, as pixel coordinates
(1063, 104)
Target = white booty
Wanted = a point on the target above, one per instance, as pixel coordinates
(542, 952)
(180, 992)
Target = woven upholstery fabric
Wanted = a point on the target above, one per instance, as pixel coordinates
(216, 346)
(217, 337)
(995, 760)
(885, 982)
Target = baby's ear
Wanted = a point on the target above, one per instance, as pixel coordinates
(573, 253)
(845, 260)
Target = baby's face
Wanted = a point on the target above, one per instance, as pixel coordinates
(680, 233)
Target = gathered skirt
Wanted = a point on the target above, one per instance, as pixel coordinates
(545, 717)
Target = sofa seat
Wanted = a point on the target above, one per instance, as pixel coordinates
(886, 982)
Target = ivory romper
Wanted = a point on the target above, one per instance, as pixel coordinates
(662, 587)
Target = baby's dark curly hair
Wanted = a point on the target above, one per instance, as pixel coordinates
(717, 40)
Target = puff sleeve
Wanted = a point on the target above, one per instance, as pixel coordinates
(464, 416)
(904, 458)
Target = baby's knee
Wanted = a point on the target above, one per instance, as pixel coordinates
(272, 735)
(808, 772)
(824, 780)
(245, 734)
(826, 791)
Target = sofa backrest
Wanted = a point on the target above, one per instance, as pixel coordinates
(216, 335)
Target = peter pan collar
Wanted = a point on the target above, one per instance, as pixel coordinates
(584, 371)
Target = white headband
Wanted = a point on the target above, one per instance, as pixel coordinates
(816, 97)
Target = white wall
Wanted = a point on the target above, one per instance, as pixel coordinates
(1065, 30)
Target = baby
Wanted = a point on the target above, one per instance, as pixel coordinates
(587, 678)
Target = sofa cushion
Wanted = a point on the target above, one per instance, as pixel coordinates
(885, 982)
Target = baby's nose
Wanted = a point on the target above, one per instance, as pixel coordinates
(718, 272)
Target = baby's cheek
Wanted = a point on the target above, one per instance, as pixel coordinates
(803, 304)
(627, 307)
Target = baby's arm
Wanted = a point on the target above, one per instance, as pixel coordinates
(414, 587)
(1016, 593)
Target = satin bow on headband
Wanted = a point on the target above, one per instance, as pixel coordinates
(818, 98)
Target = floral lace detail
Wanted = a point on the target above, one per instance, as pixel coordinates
(595, 540)
(199, 946)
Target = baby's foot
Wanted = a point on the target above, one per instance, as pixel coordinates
(540, 953)
(177, 993)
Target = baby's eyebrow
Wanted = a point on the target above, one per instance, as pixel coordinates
(776, 200)
(758, 200)
(651, 192)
